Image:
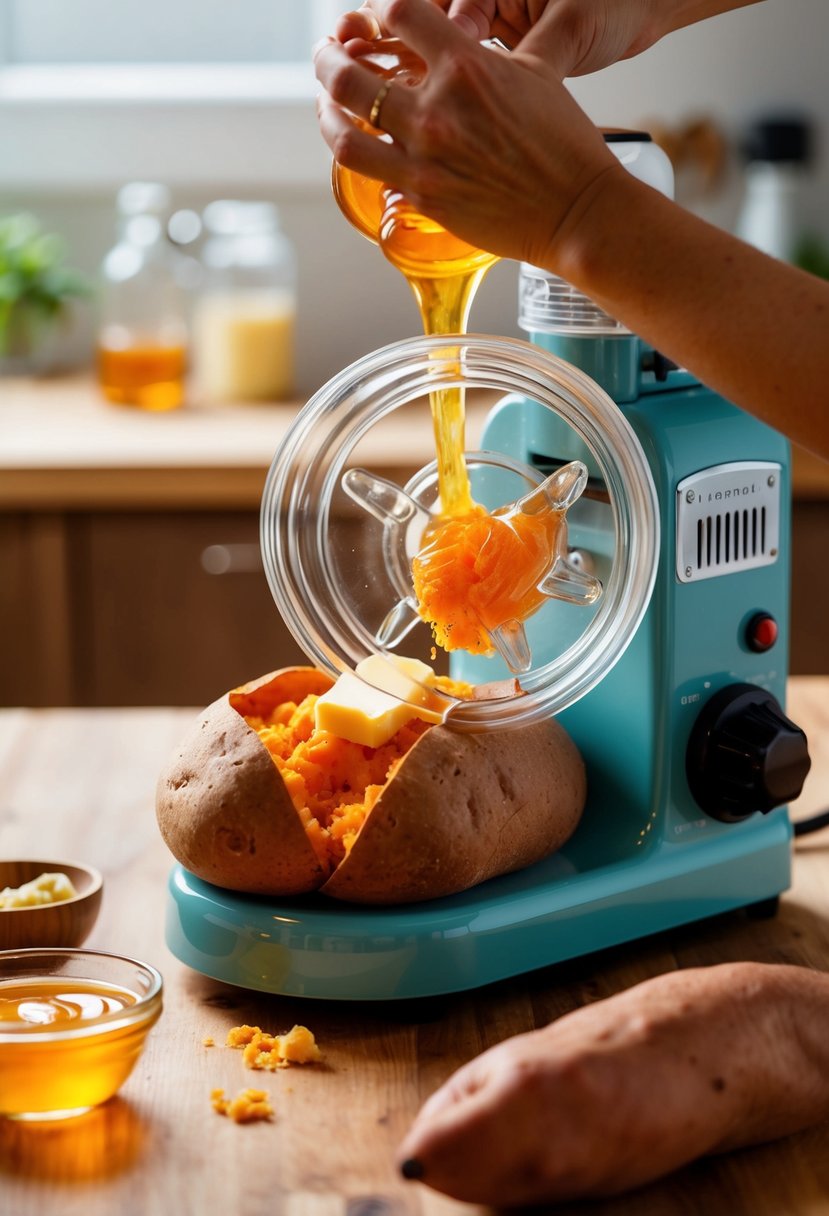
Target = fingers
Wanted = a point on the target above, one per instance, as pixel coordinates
(474, 17)
(424, 27)
(361, 23)
(353, 86)
(358, 149)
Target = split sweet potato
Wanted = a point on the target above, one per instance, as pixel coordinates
(255, 800)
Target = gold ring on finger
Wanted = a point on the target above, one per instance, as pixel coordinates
(377, 104)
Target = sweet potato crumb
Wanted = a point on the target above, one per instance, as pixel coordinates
(268, 1051)
(249, 1105)
(238, 1036)
(208, 1041)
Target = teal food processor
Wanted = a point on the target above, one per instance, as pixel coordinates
(662, 647)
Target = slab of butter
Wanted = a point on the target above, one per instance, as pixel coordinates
(45, 889)
(371, 705)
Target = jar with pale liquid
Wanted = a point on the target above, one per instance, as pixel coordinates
(142, 346)
(244, 319)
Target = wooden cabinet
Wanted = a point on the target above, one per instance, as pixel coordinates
(129, 549)
(172, 608)
(127, 608)
(154, 623)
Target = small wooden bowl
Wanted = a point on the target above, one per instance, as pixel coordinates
(66, 923)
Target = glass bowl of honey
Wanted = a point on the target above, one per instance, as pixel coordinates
(72, 1026)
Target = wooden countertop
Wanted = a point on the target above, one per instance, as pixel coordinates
(83, 780)
(62, 447)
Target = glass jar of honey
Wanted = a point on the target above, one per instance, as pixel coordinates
(244, 318)
(443, 271)
(417, 245)
(143, 330)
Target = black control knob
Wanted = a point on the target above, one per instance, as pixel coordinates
(744, 754)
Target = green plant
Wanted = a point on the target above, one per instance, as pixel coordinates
(812, 254)
(34, 284)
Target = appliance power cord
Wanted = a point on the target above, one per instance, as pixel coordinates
(813, 824)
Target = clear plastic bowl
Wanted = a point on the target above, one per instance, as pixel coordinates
(333, 570)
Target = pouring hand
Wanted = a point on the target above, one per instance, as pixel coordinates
(484, 135)
(627, 1089)
(575, 37)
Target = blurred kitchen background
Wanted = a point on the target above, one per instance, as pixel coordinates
(129, 568)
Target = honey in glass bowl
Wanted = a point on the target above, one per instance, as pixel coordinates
(72, 1025)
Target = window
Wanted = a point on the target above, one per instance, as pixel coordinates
(93, 92)
(160, 31)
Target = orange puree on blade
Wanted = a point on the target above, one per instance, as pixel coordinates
(478, 571)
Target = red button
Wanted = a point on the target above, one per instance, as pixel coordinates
(761, 633)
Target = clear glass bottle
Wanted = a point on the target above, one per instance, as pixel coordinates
(142, 336)
(244, 319)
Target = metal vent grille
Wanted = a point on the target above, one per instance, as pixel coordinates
(727, 519)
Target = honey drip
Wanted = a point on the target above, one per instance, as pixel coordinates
(444, 273)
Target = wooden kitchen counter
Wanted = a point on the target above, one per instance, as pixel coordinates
(79, 783)
(63, 447)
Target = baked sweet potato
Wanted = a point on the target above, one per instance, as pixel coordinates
(255, 800)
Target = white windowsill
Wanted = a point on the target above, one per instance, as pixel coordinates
(160, 83)
(91, 127)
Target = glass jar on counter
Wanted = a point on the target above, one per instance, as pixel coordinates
(143, 332)
(244, 318)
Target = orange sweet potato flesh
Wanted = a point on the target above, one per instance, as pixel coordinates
(477, 571)
(457, 809)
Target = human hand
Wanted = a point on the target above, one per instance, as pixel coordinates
(574, 37)
(489, 145)
(623, 1091)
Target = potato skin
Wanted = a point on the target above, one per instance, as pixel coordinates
(221, 805)
(461, 807)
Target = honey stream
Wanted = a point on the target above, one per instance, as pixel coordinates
(444, 274)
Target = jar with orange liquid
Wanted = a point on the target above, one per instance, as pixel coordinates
(143, 331)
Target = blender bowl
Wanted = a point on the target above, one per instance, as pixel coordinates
(337, 539)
